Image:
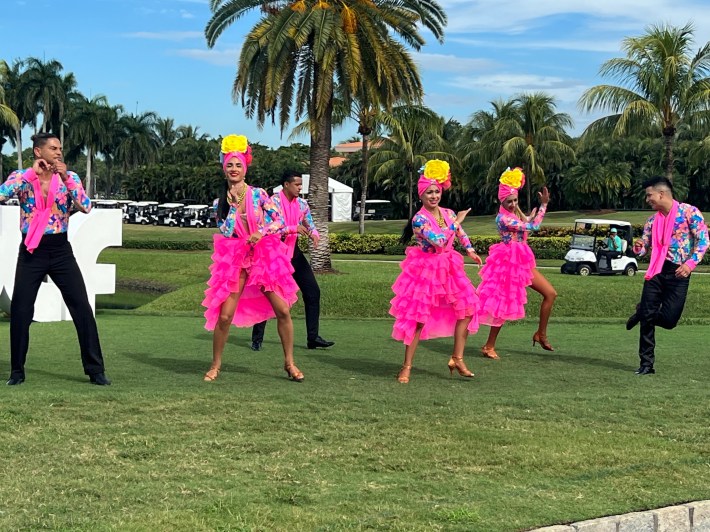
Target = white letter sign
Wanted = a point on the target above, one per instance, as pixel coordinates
(89, 234)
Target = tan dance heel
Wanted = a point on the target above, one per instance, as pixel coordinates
(456, 363)
(489, 352)
(403, 375)
(212, 375)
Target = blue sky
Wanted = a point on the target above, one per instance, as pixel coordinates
(151, 55)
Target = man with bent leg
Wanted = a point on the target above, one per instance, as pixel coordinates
(46, 193)
(678, 238)
(297, 221)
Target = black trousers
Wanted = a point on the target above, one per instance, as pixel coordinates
(662, 302)
(306, 281)
(53, 257)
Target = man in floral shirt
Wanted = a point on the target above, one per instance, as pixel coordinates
(678, 238)
(46, 193)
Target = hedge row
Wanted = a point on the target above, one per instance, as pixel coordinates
(544, 247)
(173, 245)
(569, 231)
(348, 243)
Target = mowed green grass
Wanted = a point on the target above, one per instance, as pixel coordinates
(362, 288)
(535, 438)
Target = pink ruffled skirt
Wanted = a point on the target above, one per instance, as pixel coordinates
(268, 269)
(504, 277)
(432, 289)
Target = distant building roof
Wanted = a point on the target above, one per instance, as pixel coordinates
(352, 147)
(336, 161)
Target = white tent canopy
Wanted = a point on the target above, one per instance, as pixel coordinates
(341, 198)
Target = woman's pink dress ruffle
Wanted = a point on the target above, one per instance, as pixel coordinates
(267, 267)
(506, 274)
(432, 289)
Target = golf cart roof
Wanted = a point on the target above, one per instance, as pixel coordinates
(600, 221)
(196, 207)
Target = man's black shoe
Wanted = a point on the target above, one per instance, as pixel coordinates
(319, 342)
(645, 370)
(632, 321)
(99, 379)
(14, 381)
(256, 346)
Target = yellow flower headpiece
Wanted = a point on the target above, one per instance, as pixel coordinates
(232, 143)
(437, 170)
(513, 178)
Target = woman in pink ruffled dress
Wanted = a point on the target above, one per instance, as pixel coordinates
(251, 276)
(433, 296)
(510, 267)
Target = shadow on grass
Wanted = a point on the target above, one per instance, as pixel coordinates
(193, 366)
(576, 360)
(79, 377)
(374, 368)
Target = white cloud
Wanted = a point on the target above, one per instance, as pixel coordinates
(451, 63)
(166, 35)
(224, 57)
(590, 45)
(186, 14)
(505, 85)
(511, 16)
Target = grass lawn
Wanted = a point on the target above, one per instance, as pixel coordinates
(536, 438)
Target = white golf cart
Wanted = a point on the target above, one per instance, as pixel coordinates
(588, 253)
(169, 214)
(196, 216)
(142, 212)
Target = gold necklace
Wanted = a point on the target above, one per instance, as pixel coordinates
(239, 198)
(439, 217)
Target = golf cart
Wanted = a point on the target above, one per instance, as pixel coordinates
(142, 212)
(588, 253)
(169, 214)
(196, 216)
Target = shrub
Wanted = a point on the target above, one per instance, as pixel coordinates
(175, 245)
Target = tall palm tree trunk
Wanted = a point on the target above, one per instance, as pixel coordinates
(528, 189)
(89, 157)
(318, 187)
(2, 143)
(18, 143)
(363, 182)
(668, 137)
(410, 195)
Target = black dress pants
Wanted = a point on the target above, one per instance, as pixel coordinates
(306, 281)
(53, 257)
(662, 302)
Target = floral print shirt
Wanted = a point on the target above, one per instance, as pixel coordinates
(690, 237)
(305, 216)
(432, 238)
(513, 229)
(267, 215)
(17, 186)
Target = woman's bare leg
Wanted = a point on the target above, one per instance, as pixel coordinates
(221, 330)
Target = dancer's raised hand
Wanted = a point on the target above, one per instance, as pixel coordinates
(544, 196)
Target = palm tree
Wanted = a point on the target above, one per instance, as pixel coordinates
(165, 129)
(530, 134)
(15, 99)
(662, 86)
(91, 121)
(291, 59)
(412, 135)
(139, 143)
(44, 87)
(8, 118)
